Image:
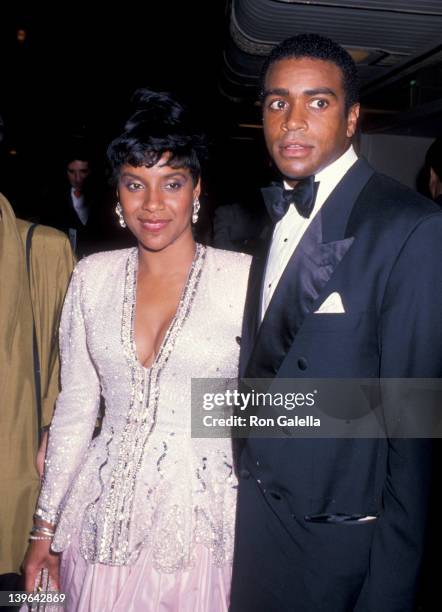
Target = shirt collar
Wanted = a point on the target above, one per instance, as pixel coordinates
(332, 174)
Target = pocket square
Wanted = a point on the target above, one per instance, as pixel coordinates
(332, 305)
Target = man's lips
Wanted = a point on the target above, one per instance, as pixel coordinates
(154, 225)
(295, 149)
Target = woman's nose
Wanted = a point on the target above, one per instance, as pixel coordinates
(153, 200)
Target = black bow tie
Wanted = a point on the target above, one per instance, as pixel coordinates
(278, 200)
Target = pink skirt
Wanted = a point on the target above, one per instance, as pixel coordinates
(132, 588)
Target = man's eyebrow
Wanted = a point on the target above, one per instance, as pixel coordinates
(320, 90)
(277, 91)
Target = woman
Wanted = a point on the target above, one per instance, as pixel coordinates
(144, 514)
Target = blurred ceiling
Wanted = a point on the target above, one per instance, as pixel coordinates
(396, 44)
(72, 72)
(68, 72)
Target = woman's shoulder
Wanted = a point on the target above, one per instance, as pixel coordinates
(227, 274)
(229, 259)
(100, 265)
(104, 259)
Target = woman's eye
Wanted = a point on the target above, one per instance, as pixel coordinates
(134, 186)
(277, 105)
(173, 185)
(319, 103)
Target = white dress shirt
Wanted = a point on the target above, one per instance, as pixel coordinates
(290, 229)
(80, 206)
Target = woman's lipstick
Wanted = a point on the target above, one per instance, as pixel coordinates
(153, 225)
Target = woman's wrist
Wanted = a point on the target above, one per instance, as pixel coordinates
(42, 530)
(47, 518)
(45, 523)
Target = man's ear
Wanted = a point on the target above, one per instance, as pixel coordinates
(435, 184)
(352, 119)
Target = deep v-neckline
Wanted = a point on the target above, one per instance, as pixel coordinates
(167, 327)
(129, 309)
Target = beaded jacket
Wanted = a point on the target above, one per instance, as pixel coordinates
(144, 481)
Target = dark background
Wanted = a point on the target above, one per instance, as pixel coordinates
(75, 72)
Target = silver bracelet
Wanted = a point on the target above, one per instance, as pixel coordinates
(43, 515)
(44, 530)
(33, 537)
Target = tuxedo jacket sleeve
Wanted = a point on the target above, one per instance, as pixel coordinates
(410, 337)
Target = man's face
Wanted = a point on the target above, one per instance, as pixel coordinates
(77, 172)
(306, 127)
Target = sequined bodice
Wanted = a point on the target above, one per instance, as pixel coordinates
(144, 482)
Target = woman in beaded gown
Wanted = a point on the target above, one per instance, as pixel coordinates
(143, 514)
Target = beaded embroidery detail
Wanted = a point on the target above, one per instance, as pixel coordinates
(141, 416)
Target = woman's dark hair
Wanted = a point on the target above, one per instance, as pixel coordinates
(159, 124)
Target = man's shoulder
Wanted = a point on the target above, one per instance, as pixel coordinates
(389, 209)
(392, 196)
(42, 233)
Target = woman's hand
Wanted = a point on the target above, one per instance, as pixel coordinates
(38, 557)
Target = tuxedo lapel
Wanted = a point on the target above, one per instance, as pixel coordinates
(309, 269)
(305, 275)
(337, 209)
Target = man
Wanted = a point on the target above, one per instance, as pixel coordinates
(433, 161)
(34, 273)
(73, 207)
(350, 288)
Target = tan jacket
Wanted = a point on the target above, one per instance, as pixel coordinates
(51, 264)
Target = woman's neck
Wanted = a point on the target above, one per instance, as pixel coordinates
(175, 259)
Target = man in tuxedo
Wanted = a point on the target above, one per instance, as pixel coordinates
(349, 286)
(73, 206)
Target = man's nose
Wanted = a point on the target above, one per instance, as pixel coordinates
(295, 118)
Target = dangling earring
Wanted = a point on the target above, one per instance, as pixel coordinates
(119, 212)
(196, 207)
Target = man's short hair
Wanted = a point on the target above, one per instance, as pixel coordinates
(314, 46)
(433, 157)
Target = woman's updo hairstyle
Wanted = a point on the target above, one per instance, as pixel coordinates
(159, 124)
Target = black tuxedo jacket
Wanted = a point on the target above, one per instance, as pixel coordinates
(378, 245)
(58, 211)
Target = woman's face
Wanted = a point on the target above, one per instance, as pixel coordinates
(157, 203)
